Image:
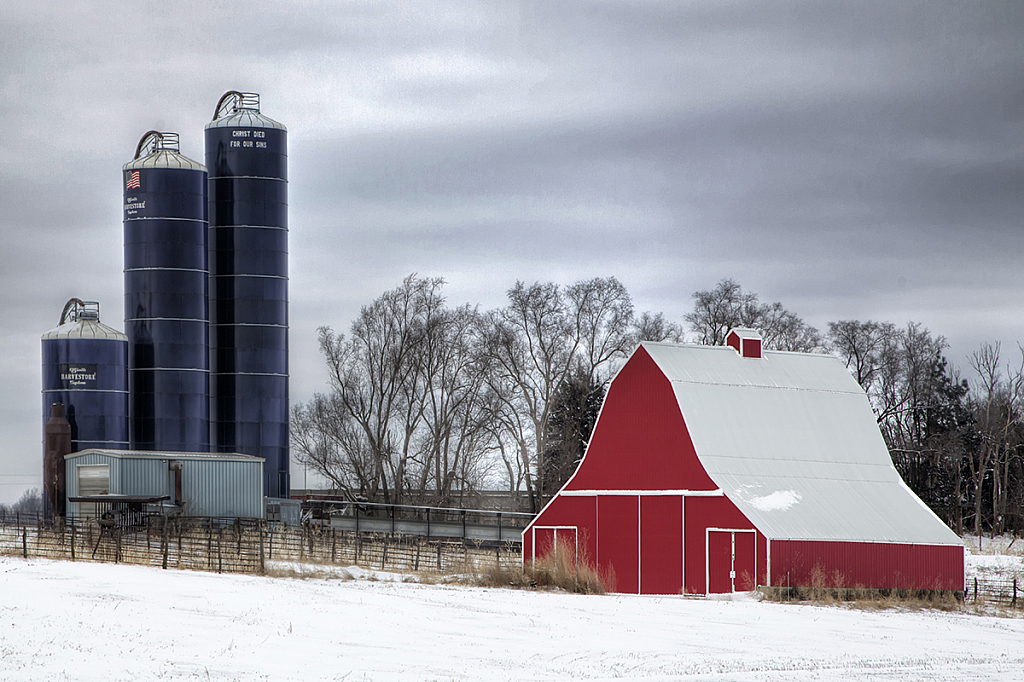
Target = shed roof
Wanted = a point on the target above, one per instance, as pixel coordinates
(792, 441)
(159, 454)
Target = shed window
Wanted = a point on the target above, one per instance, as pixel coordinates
(93, 479)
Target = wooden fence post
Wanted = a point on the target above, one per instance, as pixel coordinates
(263, 568)
(72, 539)
(164, 543)
(24, 542)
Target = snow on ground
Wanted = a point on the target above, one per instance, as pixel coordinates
(84, 621)
(1000, 557)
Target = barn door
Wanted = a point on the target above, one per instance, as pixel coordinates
(743, 564)
(560, 541)
(730, 561)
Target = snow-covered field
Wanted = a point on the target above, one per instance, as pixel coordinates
(997, 558)
(82, 621)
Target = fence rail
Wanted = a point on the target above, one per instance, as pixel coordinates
(244, 546)
(1006, 592)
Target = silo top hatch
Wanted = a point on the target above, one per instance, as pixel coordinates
(160, 150)
(81, 320)
(241, 110)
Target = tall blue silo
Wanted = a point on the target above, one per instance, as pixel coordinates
(166, 297)
(85, 367)
(247, 156)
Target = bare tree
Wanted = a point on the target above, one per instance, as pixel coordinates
(654, 327)
(864, 347)
(379, 380)
(998, 403)
(727, 306)
(455, 438)
(536, 342)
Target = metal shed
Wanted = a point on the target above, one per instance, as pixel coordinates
(719, 469)
(198, 483)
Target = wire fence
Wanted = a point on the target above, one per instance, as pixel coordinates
(244, 545)
(1007, 592)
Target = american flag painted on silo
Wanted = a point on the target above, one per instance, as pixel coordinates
(134, 181)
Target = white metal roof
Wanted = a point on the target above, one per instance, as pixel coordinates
(791, 439)
(164, 454)
(246, 118)
(164, 158)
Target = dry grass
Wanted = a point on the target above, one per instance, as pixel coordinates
(831, 589)
(557, 570)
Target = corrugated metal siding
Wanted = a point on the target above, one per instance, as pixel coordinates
(219, 488)
(227, 485)
(874, 565)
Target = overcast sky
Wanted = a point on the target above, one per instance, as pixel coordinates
(851, 160)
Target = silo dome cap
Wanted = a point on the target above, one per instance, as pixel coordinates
(241, 110)
(81, 320)
(161, 150)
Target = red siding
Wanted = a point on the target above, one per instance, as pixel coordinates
(640, 442)
(661, 545)
(744, 562)
(865, 564)
(703, 513)
(618, 541)
(578, 512)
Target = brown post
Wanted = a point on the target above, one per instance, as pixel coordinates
(263, 568)
(165, 541)
(24, 543)
(72, 539)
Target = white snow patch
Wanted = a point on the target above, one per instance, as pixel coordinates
(91, 622)
(780, 500)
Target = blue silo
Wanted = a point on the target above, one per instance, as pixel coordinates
(166, 304)
(85, 367)
(247, 157)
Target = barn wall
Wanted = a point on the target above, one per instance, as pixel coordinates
(866, 564)
(640, 441)
(562, 514)
(618, 542)
(702, 514)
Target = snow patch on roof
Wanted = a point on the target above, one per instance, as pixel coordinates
(779, 500)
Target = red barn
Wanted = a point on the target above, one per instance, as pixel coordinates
(719, 469)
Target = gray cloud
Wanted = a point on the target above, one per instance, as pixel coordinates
(856, 161)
